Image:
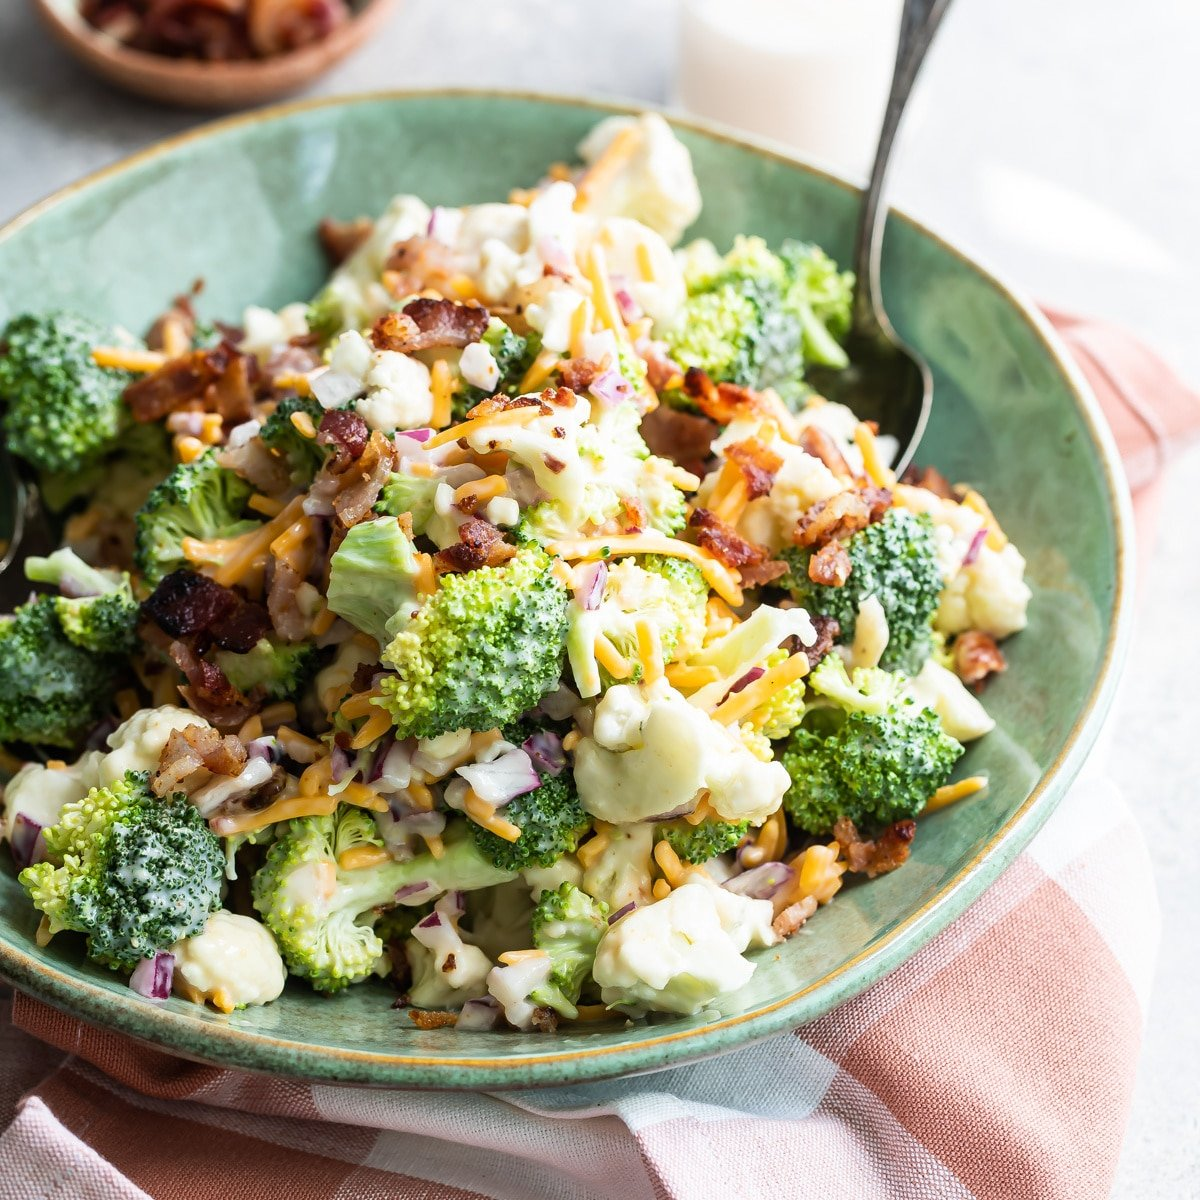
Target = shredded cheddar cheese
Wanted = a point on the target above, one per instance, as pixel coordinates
(376, 725)
(360, 704)
(610, 658)
(293, 381)
(124, 358)
(297, 746)
(442, 384)
(997, 539)
(515, 956)
(434, 844)
(645, 263)
(690, 679)
(303, 424)
(292, 807)
(251, 729)
(268, 506)
(480, 490)
(590, 1012)
(188, 448)
(323, 621)
(539, 371)
(669, 863)
(581, 326)
(604, 170)
(359, 857)
(661, 889)
(950, 792)
(718, 575)
(649, 650)
(484, 814)
(571, 740)
(509, 416)
(742, 703)
(877, 471)
(236, 556)
(594, 846)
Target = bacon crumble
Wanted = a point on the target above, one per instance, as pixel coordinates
(186, 603)
(480, 544)
(815, 441)
(841, 515)
(192, 748)
(340, 239)
(877, 856)
(976, 656)
(830, 566)
(426, 323)
(758, 463)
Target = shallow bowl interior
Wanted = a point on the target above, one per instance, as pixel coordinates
(237, 205)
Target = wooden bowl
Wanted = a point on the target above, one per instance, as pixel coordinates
(215, 85)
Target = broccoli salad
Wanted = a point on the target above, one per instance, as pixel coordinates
(511, 623)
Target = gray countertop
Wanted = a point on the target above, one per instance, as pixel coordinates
(1059, 142)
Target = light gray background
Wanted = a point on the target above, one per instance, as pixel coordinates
(1058, 140)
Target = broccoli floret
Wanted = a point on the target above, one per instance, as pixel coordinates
(894, 560)
(551, 821)
(305, 456)
(754, 318)
(201, 500)
(865, 689)
(275, 670)
(371, 578)
(326, 316)
(512, 353)
(699, 843)
(123, 477)
(484, 648)
(876, 761)
(133, 872)
(51, 690)
(62, 410)
(97, 610)
(784, 710)
(568, 924)
(412, 494)
(323, 916)
(820, 295)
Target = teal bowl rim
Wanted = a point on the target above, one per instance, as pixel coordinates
(210, 1042)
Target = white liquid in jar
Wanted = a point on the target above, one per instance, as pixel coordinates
(811, 73)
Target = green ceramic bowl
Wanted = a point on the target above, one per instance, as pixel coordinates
(237, 203)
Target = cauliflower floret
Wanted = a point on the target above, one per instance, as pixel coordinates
(38, 793)
(991, 594)
(550, 879)
(399, 391)
(446, 971)
(233, 961)
(138, 744)
(871, 634)
(629, 248)
(620, 873)
(961, 714)
(955, 525)
(333, 682)
(266, 331)
(651, 752)
(654, 182)
(512, 986)
(684, 951)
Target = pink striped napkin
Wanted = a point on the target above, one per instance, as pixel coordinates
(997, 1062)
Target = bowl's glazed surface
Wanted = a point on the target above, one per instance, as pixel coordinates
(237, 204)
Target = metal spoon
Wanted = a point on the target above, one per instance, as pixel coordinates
(886, 381)
(24, 518)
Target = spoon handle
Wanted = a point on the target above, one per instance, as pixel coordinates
(918, 23)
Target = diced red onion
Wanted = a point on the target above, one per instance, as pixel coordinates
(436, 218)
(762, 882)
(333, 389)
(241, 434)
(747, 679)
(546, 752)
(611, 388)
(523, 486)
(976, 545)
(436, 932)
(631, 310)
(479, 1015)
(152, 977)
(503, 779)
(590, 579)
(412, 894)
(554, 254)
(452, 905)
(221, 789)
(417, 435)
(190, 423)
(681, 810)
(266, 748)
(559, 704)
(339, 764)
(319, 500)
(623, 911)
(27, 844)
(742, 852)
